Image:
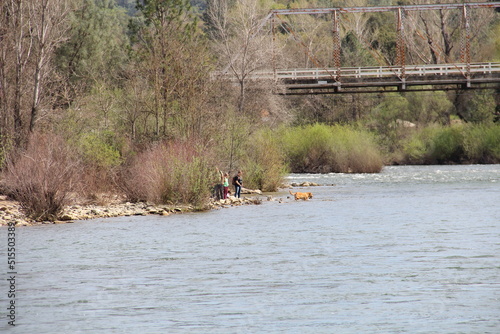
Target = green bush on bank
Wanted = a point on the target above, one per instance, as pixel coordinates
(471, 143)
(481, 144)
(321, 148)
(265, 163)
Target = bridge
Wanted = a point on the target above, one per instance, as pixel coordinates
(382, 78)
(399, 76)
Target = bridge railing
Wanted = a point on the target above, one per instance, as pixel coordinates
(371, 72)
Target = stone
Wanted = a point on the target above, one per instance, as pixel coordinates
(66, 217)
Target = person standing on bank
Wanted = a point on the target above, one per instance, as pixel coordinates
(225, 184)
(238, 183)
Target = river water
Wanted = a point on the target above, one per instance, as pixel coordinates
(409, 250)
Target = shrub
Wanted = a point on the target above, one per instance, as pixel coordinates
(480, 108)
(340, 149)
(42, 176)
(5, 147)
(414, 150)
(473, 143)
(100, 150)
(446, 145)
(482, 143)
(101, 156)
(170, 173)
(264, 167)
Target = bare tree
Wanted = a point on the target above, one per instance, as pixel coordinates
(48, 27)
(240, 40)
(30, 32)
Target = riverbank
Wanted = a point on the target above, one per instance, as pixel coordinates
(11, 211)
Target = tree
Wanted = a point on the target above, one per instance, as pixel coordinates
(164, 28)
(96, 48)
(49, 19)
(239, 39)
(429, 107)
(31, 32)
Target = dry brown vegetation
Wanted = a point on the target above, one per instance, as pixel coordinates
(42, 177)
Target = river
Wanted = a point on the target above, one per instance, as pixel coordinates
(414, 249)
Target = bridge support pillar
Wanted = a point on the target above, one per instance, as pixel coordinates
(273, 41)
(465, 47)
(401, 47)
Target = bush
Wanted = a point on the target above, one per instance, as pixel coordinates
(264, 167)
(170, 173)
(99, 150)
(101, 156)
(456, 144)
(5, 147)
(320, 148)
(42, 176)
(446, 146)
(482, 143)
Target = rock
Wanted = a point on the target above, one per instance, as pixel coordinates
(251, 191)
(66, 217)
(305, 184)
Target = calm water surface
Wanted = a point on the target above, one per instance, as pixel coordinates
(409, 250)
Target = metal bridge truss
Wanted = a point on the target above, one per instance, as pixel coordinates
(400, 77)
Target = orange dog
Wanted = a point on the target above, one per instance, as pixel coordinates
(298, 195)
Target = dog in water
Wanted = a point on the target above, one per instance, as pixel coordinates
(299, 195)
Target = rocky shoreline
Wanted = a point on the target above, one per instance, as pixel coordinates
(11, 212)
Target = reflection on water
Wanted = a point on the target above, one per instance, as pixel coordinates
(412, 249)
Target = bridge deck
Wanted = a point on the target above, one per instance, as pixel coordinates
(382, 78)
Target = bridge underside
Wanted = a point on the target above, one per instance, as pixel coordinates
(378, 85)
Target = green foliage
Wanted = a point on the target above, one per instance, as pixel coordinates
(480, 108)
(428, 107)
(97, 42)
(5, 147)
(393, 107)
(354, 52)
(264, 165)
(163, 13)
(386, 118)
(446, 145)
(324, 149)
(100, 150)
(233, 131)
(457, 144)
(482, 143)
